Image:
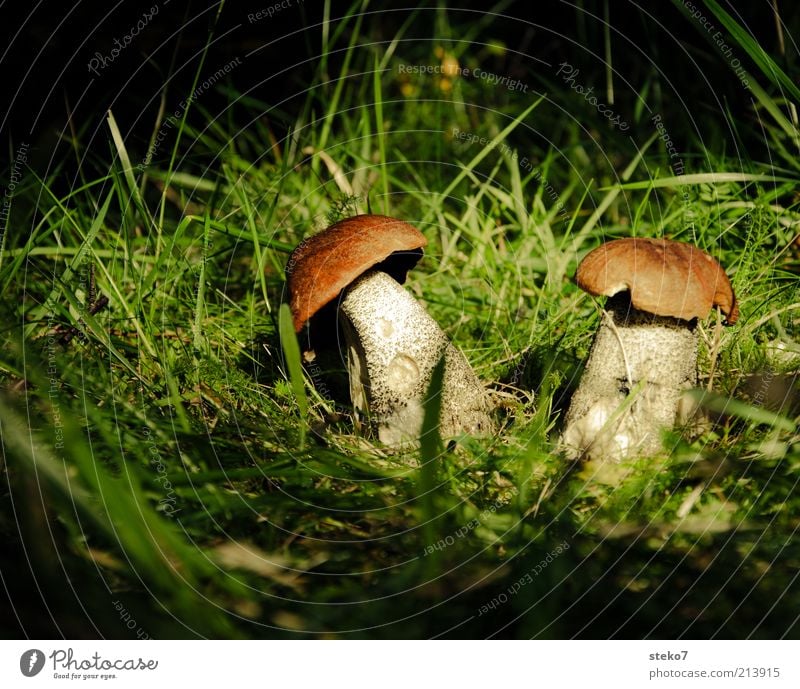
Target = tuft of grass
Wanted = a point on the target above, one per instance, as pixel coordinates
(294, 366)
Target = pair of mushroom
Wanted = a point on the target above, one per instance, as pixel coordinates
(644, 355)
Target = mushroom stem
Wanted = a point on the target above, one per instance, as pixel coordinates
(632, 349)
(393, 346)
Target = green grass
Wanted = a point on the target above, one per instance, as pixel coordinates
(172, 454)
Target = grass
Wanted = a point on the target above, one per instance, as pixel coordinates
(167, 453)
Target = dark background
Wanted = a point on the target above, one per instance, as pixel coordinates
(49, 45)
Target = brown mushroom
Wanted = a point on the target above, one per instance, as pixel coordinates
(646, 343)
(323, 265)
(392, 343)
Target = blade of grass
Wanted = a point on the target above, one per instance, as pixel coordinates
(753, 48)
(127, 170)
(199, 338)
(607, 53)
(430, 450)
(380, 133)
(260, 256)
(182, 126)
(291, 352)
(772, 108)
(341, 81)
(699, 178)
(721, 404)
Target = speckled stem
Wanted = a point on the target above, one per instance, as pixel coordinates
(631, 348)
(393, 346)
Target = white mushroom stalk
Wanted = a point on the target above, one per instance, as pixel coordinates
(393, 345)
(633, 386)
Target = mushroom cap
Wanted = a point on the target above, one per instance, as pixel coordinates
(664, 277)
(323, 265)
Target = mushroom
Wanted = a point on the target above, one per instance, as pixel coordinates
(392, 343)
(646, 343)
